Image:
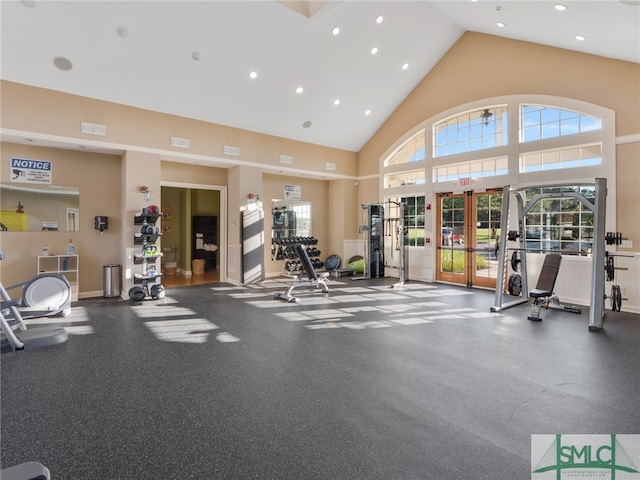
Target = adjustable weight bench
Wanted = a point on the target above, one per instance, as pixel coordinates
(313, 281)
(543, 295)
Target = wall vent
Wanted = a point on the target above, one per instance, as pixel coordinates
(180, 142)
(329, 166)
(93, 128)
(286, 159)
(231, 150)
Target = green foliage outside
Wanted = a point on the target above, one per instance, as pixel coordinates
(455, 263)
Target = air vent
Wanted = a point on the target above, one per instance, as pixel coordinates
(286, 159)
(93, 128)
(329, 166)
(180, 142)
(231, 150)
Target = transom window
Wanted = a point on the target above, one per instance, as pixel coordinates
(415, 177)
(476, 130)
(477, 168)
(411, 151)
(563, 158)
(538, 122)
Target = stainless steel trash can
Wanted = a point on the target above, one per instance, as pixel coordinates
(112, 280)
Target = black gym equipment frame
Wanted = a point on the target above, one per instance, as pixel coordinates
(598, 208)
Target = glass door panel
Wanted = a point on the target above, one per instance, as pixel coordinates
(451, 259)
(486, 230)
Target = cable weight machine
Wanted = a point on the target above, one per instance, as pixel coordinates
(377, 230)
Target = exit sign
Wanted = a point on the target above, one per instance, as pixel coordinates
(465, 182)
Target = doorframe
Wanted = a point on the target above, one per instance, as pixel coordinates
(468, 277)
(222, 238)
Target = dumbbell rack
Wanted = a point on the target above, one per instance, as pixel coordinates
(149, 234)
(283, 249)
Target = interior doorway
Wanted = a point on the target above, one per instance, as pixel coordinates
(183, 205)
(468, 226)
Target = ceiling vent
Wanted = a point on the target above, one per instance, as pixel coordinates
(286, 159)
(329, 166)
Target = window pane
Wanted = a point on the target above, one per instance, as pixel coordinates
(553, 122)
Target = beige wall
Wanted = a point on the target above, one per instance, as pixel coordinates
(98, 177)
(483, 66)
(32, 109)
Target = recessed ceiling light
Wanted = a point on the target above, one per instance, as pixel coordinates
(306, 124)
(367, 112)
(62, 63)
(501, 24)
(299, 89)
(123, 32)
(560, 7)
(29, 3)
(253, 75)
(335, 31)
(405, 66)
(580, 38)
(379, 19)
(633, 3)
(196, 55)
(336, 102)
(374, 50)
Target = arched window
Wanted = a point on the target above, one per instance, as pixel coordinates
(470, 131)
(508, 140)
(411, 151)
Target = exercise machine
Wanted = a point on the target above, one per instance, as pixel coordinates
(597, 206)
(26, 471)
(543, 295)
(313, 280)
(45, 295)
(380, 230)
(14, 330)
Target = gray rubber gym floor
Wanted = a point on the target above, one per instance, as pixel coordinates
(369, 382)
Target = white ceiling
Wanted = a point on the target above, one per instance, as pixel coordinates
(153, 67)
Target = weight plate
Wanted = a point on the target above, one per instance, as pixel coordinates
(515, 284)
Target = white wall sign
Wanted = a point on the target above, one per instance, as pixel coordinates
(24, 170)
(292, 192)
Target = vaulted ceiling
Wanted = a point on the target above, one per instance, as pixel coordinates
(195, 58)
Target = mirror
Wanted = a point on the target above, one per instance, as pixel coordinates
(291, 218)
(37, 208)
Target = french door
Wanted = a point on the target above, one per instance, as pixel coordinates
(468, 229)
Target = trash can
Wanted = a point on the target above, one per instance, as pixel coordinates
(112, 279)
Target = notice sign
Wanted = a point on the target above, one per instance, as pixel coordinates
(30, 171)
(292, 192)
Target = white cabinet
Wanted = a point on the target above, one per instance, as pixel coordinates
(67, 265)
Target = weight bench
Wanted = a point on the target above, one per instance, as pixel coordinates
(313, 281)
(543, 295)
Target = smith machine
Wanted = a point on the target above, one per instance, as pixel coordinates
(602, 260)
(378, 230)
